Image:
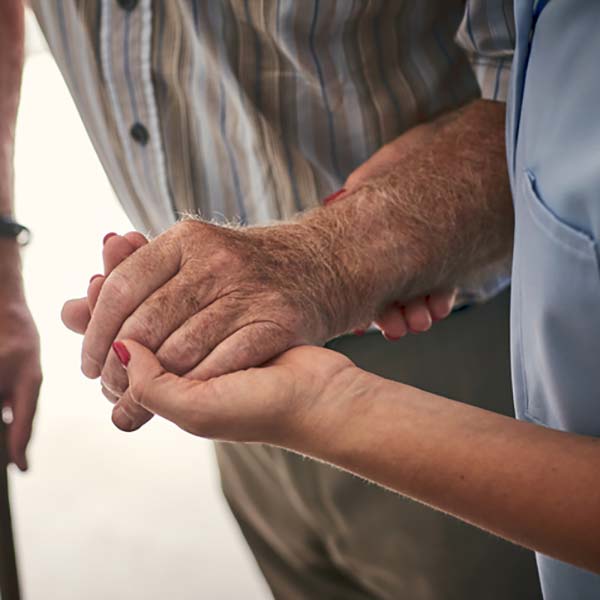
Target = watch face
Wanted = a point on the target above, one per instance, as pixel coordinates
(24, 236)
(12, 229)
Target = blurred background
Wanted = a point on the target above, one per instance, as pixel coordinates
(101, 514)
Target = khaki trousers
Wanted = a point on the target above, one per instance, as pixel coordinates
(319, 533)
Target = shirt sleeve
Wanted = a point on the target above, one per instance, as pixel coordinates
(487, 34)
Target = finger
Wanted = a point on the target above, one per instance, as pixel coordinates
(392, 323)
(191, 343)
(441, 304)
(93, 291)
(251, 346)
(127, 286)
(115, 250)
(23, 404)
(136, 239)
(129, 415)
(109, 395)
(156, 390)
(417, 315)
(75, 315)
(164, 312)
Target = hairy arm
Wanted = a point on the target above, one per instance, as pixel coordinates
(427, 210)
(437, 211)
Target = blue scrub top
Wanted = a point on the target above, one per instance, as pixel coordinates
(553, 136)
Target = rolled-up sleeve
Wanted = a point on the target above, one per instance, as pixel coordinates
(487, 34)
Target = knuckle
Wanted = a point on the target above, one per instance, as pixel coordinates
(133, 408)
(186, 228)
(178, 358)
(140, 388)
(138, 391)
(143, 325)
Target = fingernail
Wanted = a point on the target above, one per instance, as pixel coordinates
(333, 196)
(417, 331)
(107, 237)
(121, 419)
(392, 338)
(122, 353)
(95, 277)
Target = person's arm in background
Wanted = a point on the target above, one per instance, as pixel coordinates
(20, 372)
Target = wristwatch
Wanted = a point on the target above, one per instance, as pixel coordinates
(9, 228)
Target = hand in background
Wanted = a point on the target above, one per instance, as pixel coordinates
(20, 369)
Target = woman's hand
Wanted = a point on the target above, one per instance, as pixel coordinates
(269, 404)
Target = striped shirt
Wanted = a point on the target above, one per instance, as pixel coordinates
(254, 110)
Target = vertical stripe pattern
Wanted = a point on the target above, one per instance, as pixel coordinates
(253, 110)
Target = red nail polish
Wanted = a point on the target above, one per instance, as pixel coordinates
(107, 237)
(333, 196)
(95, 277)
(122, 353)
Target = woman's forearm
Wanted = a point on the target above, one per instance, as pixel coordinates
(534, 486)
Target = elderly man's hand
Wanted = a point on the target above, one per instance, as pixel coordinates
(241, 304)
(394, 322)
(211, 300)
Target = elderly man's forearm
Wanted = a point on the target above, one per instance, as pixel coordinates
(442, 213)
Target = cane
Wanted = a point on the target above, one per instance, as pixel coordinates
(9, 580)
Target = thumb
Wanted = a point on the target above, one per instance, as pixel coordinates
(156, 390)
(75, 315)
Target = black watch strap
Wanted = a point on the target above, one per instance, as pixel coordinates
(9, 228)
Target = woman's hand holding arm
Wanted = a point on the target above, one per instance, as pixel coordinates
(532, 485)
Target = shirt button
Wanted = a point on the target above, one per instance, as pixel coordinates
(127, 5)
(139, 133)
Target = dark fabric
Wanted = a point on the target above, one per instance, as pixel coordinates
(319, 533)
